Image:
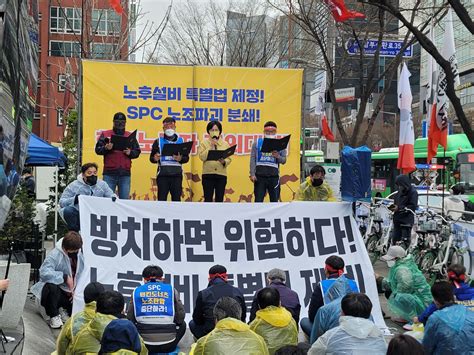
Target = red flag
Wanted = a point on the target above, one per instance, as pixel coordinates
(340, 12)
(115, 4)
(326, 130)
(436, 136)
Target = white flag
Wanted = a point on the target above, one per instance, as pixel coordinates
(449, 53)
(432, 76)
(406, 157)
(319, 110)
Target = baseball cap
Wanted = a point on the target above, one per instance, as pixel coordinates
(119, 116)
(395, 251)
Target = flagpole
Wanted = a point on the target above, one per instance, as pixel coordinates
(443, 178)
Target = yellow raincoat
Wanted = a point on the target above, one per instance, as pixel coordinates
(88, 339)
(276, 326)
(308, 192)
(230, 336)
(72, 327)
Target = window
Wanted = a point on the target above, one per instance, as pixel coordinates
(62, 82)
(65, 20)
(64, 49)
(103, 50)
(59, 116)
(106, 22)
(37, 115)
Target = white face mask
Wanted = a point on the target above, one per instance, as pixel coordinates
(390, 263)
(169, 132)
(270, 135)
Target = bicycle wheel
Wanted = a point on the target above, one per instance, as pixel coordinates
(372, 244)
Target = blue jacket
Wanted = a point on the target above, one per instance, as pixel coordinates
(56, 265)
(79, 187)
(463, 293)
(450, 330)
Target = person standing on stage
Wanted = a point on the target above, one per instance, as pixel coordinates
(264, 167)
(169, 177)
(117, 164)
(214, 172)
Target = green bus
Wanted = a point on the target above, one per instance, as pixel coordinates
(459, 164)
(311, 158)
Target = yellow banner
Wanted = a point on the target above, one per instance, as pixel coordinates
(243, 99)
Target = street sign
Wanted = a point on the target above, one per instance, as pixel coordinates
(345, 94)
(388, 48)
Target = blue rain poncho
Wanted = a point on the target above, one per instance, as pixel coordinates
(450, 331)
(411, 293)
(328, 315)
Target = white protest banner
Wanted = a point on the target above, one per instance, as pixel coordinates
(186, 239)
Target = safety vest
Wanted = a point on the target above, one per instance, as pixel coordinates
(154, 303)
(265, 159)
(168, 160)
(327, 284)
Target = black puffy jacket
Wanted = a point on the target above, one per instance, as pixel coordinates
(405, 198)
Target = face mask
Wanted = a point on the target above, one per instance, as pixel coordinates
(317, 182)
(72, 254)
(269, 135)
(214, 134)
(91, 180)
(390, 263)
(169, 132)
(119, 126)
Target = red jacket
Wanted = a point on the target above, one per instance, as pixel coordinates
(116, 162)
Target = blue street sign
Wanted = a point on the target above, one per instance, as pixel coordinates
(388, 48)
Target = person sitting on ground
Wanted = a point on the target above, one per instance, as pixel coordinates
(276, 278)
(57, 279)
(120, 338)
(203, 317)
(327, 316)
(79, 320)
(334, 268)
(462, 291)
(405, 345)
(86, 184)
(110, 306)
(408, 292)
(230, 335)
(356, 333)
(273, 322)
(160, 328)
(450, 329)
(314, 188)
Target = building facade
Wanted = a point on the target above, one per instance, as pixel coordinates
(72, 30)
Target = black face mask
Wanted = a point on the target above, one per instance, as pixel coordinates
(317, 182)
(119, 127)
(91, 180)
(72, 255)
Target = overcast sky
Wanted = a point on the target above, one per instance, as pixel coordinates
(154, 11)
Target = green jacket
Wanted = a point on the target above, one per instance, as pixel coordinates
(308, 192)
(72, 327)
(276, 326)
(411, 294)
(230, 336)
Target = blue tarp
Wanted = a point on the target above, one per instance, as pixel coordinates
(41, 153)
(355, 174)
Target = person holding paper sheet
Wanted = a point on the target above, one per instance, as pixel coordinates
(169, 177)
(214, 172)
(264, 167)
(118, 163)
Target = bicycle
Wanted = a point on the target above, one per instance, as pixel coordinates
(379, 240)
